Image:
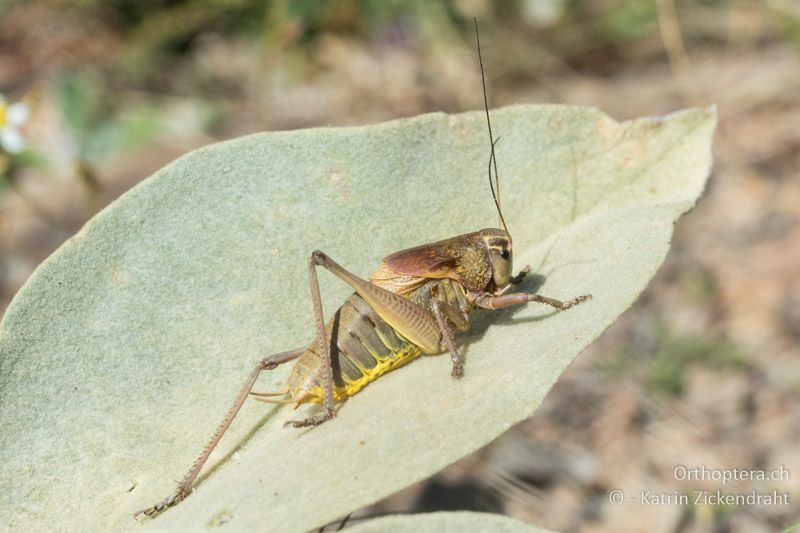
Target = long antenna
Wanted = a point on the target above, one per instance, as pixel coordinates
(492, 158)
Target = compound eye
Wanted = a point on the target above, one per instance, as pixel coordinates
(504, 254)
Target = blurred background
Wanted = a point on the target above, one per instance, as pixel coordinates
(703, 371)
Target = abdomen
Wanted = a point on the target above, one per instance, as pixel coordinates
(364, 347)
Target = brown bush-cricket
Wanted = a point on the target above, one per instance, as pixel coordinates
(411, 305)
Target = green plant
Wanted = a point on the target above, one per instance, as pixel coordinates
(120, 353)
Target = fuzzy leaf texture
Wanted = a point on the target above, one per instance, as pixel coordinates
(445, 522)
(122, 352)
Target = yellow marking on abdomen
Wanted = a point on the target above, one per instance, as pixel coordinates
(397, 359)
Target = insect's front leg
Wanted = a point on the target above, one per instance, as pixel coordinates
(516, 280)
(488, 301)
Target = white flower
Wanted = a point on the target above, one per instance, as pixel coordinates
(11, 118)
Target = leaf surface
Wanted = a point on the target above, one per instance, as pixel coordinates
(445, 522)
(122, 352)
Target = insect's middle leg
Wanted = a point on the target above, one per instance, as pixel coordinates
(444, 311)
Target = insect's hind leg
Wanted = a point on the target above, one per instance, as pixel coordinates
(413, 322)
(183, 489)
(329, 408)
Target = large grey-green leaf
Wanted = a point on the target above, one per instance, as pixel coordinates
(452, 522)
(120, 355)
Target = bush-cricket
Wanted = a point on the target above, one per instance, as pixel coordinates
(411, 305)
